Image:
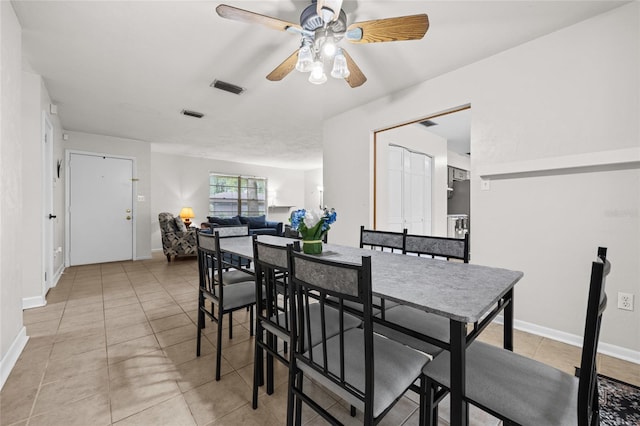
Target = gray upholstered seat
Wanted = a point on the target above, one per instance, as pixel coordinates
(496, 378)
(234, 276)
(425, 323)
(331, 317)
(396, 368)
(239, 295)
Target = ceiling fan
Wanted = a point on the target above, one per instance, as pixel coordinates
(323, 24)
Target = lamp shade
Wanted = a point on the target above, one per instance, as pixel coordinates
(187, 213)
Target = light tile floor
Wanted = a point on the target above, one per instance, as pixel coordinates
(115, 345)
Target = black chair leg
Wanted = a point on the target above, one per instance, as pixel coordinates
(299, 402)
(257, 373)
(250, 320)
(200, 323)
(219, 348)
(271, 339)
(353, 411)
(230, 325)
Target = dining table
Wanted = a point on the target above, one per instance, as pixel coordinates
(470, 296)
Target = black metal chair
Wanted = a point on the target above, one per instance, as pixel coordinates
(414, 327)
(224, 298)
(273, 315)
(368, 371)
(523, 391)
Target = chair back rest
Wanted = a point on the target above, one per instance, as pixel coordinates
(382, 240)
(170, 224)
(314, 279)
(273, 292)
(597, 302)
(450, 248)
(231, 230)
(208, 265)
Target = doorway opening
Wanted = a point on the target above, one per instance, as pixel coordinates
(445, 138)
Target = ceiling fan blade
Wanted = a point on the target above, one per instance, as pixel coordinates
(282, 70)
(356, 77)
(236, 14)
(412, 27)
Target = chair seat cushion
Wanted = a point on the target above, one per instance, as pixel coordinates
(396, 368)
(516, 387)
(426, 323)
(375, 302)
(332, 318)
(238, 295)
(235, 276)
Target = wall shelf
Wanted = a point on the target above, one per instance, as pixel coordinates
(621, 158)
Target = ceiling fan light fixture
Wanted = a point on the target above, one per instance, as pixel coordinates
(329, 47)
(317, 74)
(340, 68)
(305, 59)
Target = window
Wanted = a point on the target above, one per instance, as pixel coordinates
(237, 195)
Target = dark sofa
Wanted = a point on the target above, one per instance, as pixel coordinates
(258, 225)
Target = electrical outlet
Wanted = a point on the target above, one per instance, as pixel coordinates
(625, 301)
(485, 184)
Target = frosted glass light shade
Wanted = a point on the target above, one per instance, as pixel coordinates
(317, 74)
(305, 59)
(340, 69)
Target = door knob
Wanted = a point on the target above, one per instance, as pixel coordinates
(128, 217)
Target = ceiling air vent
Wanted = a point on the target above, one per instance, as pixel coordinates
(428, 123)
(227, 87)
(194, 114)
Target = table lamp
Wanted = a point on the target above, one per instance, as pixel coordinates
(186, 214)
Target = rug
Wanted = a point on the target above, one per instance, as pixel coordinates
(619, 402)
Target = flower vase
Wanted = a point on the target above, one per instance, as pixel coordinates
(312, 246)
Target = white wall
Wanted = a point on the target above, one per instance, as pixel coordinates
(139, 150)
(418, 139)
(458, 160)
(12, 332)
(312, 193)
(571, 92)
(178, 181)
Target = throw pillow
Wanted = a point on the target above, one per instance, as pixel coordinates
(224, 221)
(179, 224)
(255, 222)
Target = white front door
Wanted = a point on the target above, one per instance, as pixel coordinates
(100, 209)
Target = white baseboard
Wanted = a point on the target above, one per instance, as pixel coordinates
(574, 340)
(57, 275)
(33, 302)
(9, 360)
(143, 258)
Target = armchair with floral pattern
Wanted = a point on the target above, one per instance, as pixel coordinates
(177, 240)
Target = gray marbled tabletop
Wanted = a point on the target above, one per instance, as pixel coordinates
(463, 292)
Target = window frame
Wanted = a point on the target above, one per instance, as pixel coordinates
(242, 200)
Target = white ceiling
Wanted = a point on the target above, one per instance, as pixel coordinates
(127, 68)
